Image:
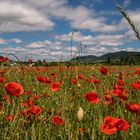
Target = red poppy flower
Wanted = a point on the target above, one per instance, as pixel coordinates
(4, 59)
(80, 76)
(28, 93)
(92, 97)
(111, 125)
(52, 75)
(121, 124)
(30, 60)
(123, 96)
(96, 81)
(133, 107)
(7, 99)
(9, 118)
(35, 97)
(136, 85)
(108, 127)
(14, 89)
(74, 81)
(108, 100)
(103, 70)
(138, 71)
(30, 102)
(40, 78)
(23, 104)
(36, 110)
(55, 86)
(47, 80)
(121, 82)
(118, 87)
(120, 93)
(26, 112)
(58, 120)
(90, 80)
(2, 79)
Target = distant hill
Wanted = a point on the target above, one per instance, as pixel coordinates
(116, 55)
(120, 56)
(86, 58)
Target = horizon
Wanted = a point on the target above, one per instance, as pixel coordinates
(43, 29)
(25, 60)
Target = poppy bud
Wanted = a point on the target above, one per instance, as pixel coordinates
(80, 114)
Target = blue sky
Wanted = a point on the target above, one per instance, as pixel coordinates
(42, 29)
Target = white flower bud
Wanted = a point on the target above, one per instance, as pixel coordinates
(80, 114)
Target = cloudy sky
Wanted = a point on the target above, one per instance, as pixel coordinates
(42, 29)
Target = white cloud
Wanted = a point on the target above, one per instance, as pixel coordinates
(16, 40)
(32, 15)
(3, 41)
(43, 44)
(47, 3)
(134, 16)
(96, 45)
(102, 40)
(13, 40)
(21, 17)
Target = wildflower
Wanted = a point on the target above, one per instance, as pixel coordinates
(121, 124)
(108, 127)
(80, 76)
(92, 97)
(40, 78)
(14, 89)
(35, 97)
(136, 85)
(137, 71)
(23, 104)
(30, 60)
(74, 81)
(111, 125)
(30, 102)
(36, 110)
(55, 86)
(133, 107)
(28, 92)
(7, 99)
(47, 80)
(80, 114)
(121, 82)
(103, 70)
(26, 112)
(4, 60)
(58, 120)
(9, 118)
(121, 94)
(2, 79)
(108, 100)
(52, 75)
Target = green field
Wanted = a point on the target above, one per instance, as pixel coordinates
(70, 103)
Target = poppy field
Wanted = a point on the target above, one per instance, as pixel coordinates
(70, 103)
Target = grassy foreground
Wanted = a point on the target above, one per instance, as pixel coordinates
(70, 103)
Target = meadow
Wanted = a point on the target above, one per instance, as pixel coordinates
(70, 103)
